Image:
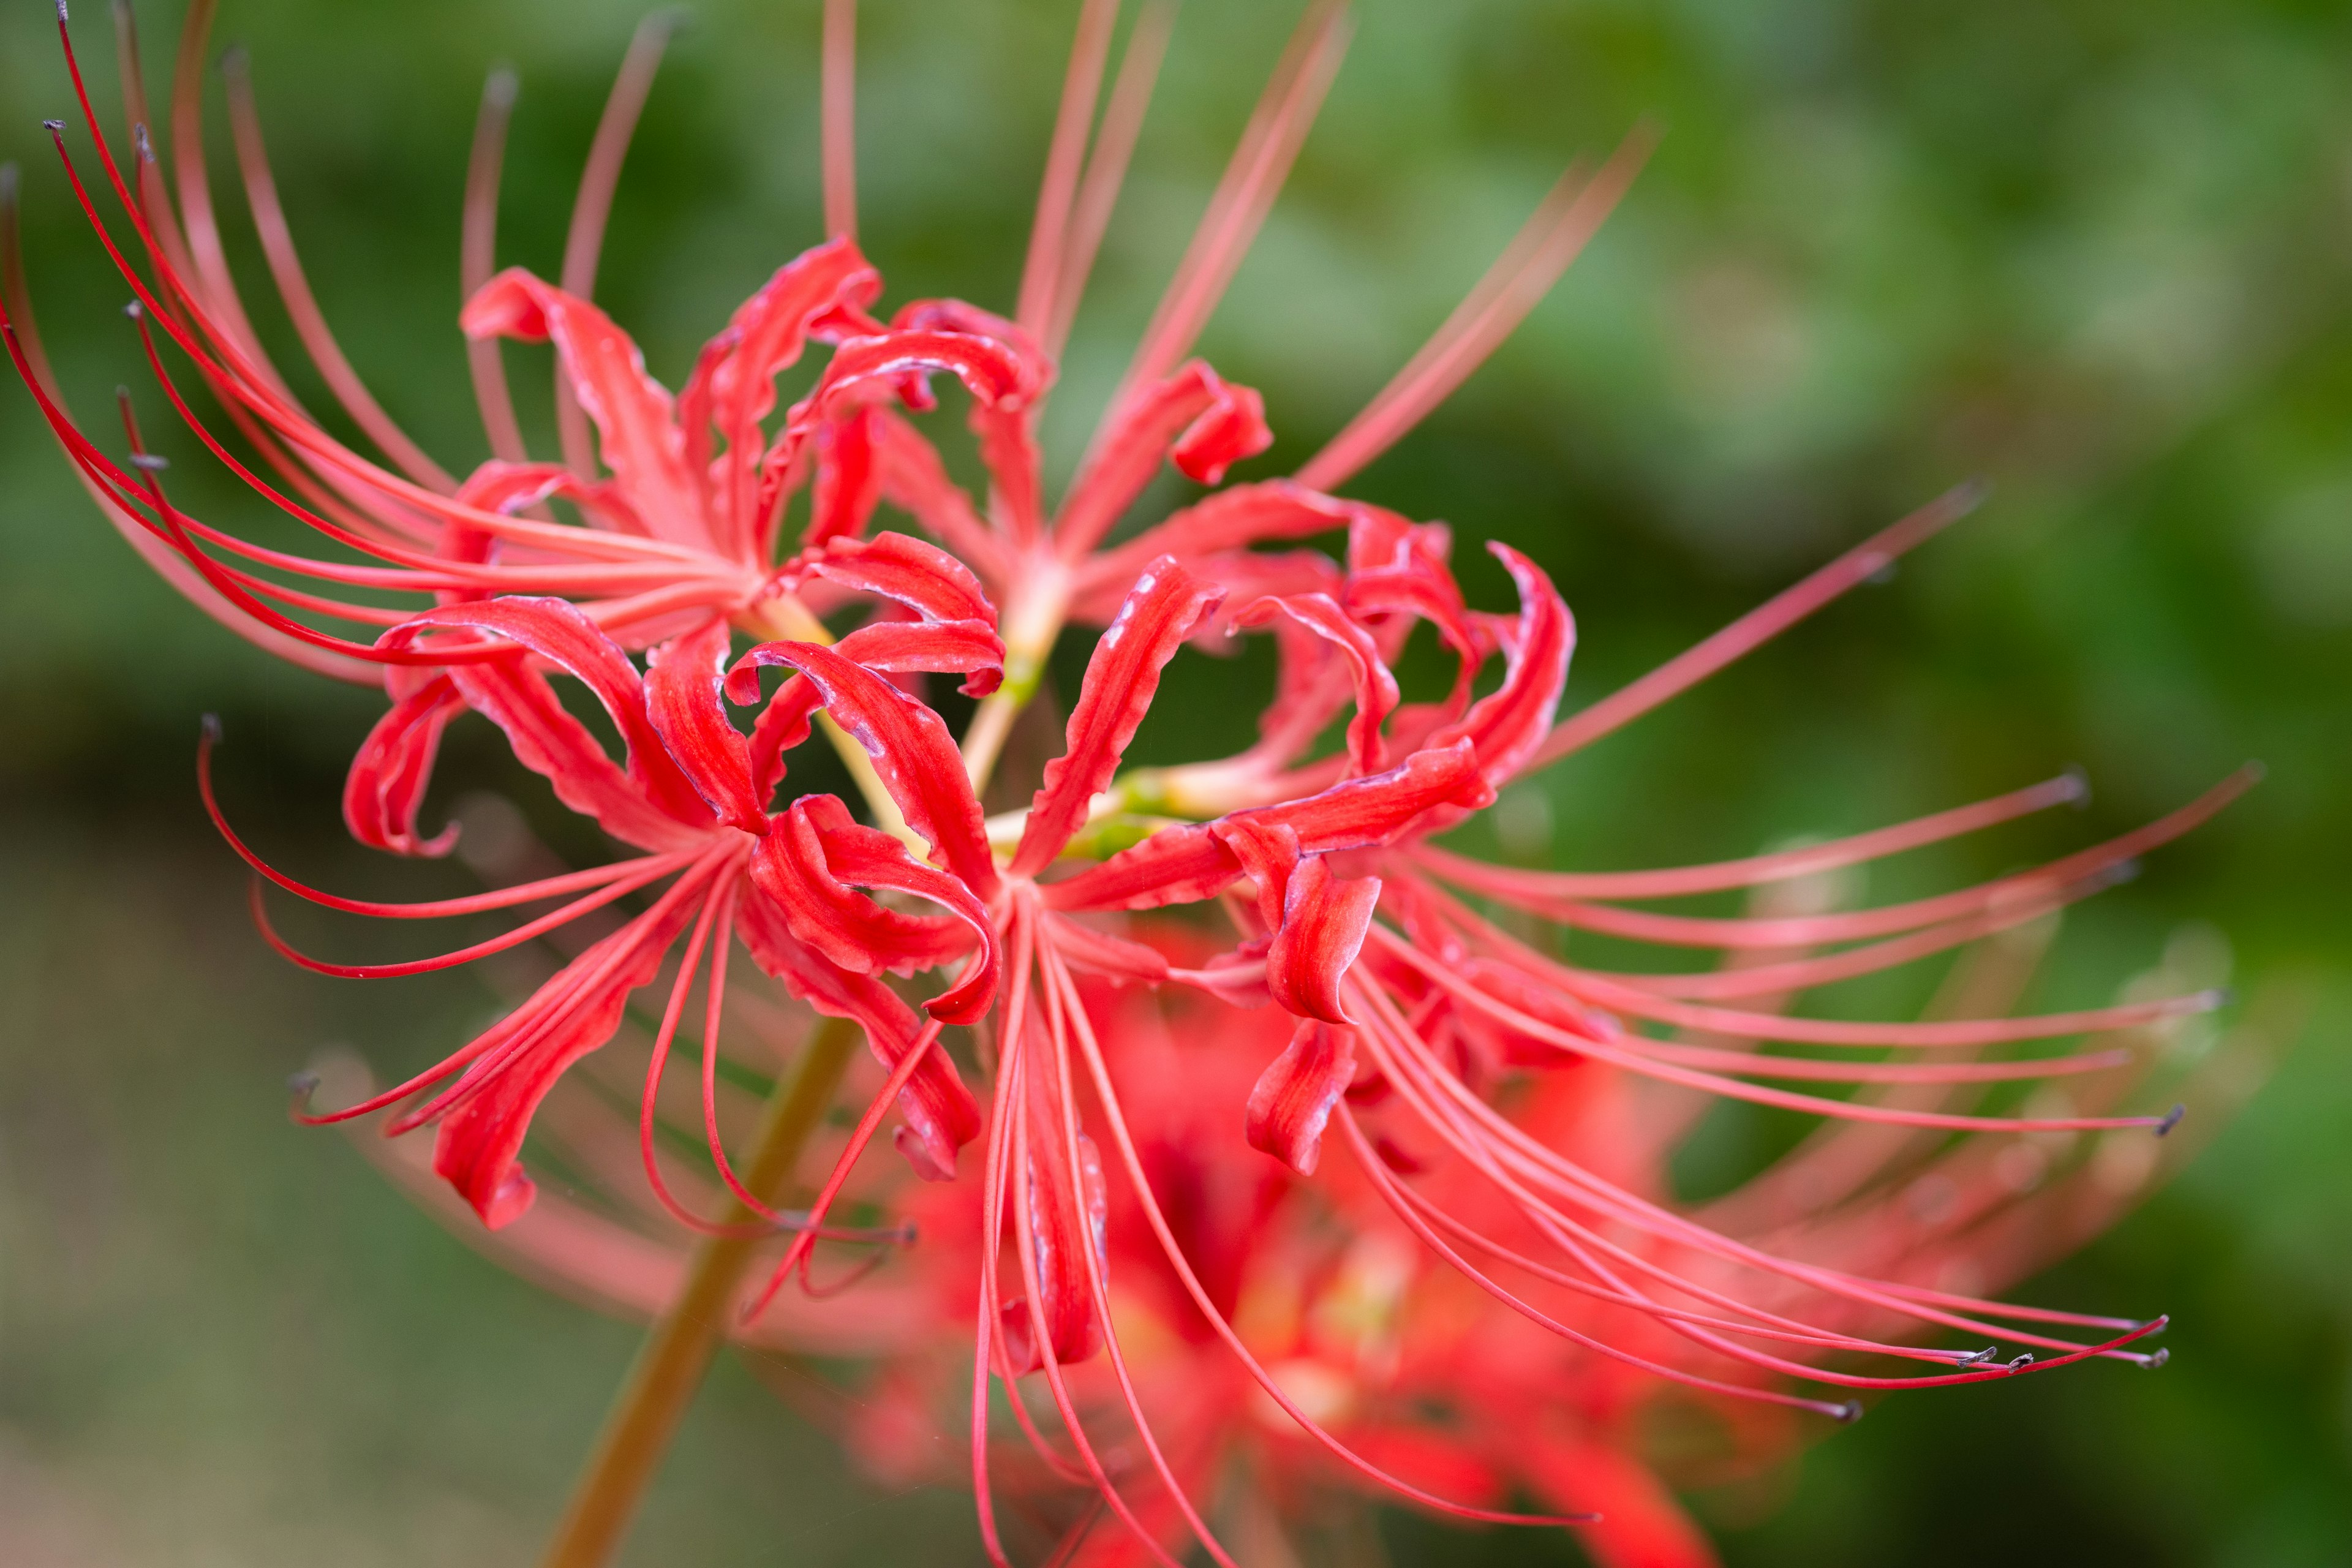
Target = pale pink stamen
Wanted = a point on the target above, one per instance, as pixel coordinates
(1543, 249)
(477, 260)
(1757, 626)
(839, 109)
(1276, 129)
(1122, 122)
(1049, 235)
(585, 242)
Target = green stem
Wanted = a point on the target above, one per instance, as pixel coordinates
(678, 1351)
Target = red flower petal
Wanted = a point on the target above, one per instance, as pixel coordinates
(386, 783)
(1240, 515)
(1002, 380)
(1294, 1097)
(633, 412)
(1397, 565)
(476, 1148)
(1268, 851)
(1064, 1209)
(912, 752)
(1121, 678)
(1375, 688)
(942, 647)
(1507, 726)
(825, 286)
(682, 680)
(940, 1112)
(559, 632)
(1324, 919)
(898, 566)
(848, 477)
(1007, 443)
(917, 482)
(818, 853)
(1211, 422)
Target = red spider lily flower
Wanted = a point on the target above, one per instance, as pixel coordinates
(1426, 1073)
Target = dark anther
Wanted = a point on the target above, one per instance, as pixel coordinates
(1849, 1413)
(140, 140)
(54, 127)
(1978, 1358)
(2172, 1119)
(61, 10)
(300, 1085)
(2021, 1361)
(154, 462)
(2078, 786)
(2158, 1360)
(134, 310)
(212, 732)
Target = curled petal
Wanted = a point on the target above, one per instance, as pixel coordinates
(1375, 688)
(1122, 676)
(1268, 851)
(1063, 1210)
(999, 377)
(1509, 725)
(559, 632)
(821, 292)
(1324, 919)
(633, 414)
(912, 752)
(477, 1146)
(819, 853)
(1199, 422)
(940, 1114)
(1294, 1097)
(386, 784)
(969, 648)
(1237, 516)
(1396, 565)
(848, 477)
(783, 725)
(896, 566)
(682, 680)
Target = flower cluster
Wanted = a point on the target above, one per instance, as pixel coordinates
(1441, 1256)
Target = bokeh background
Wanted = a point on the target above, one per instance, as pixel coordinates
(2098, 253)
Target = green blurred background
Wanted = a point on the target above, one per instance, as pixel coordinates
(2094, 252)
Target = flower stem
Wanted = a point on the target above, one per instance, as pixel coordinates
(678, 1351)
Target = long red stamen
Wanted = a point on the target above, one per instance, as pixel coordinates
(1063, 1003)
(294, 287)
(1565, 221)
(585, 241)
(477, 258)
(1122, 122)
(1049, 234)
(2067, 789)
(1132, 1163)
(1276, 129)
(839, 109)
